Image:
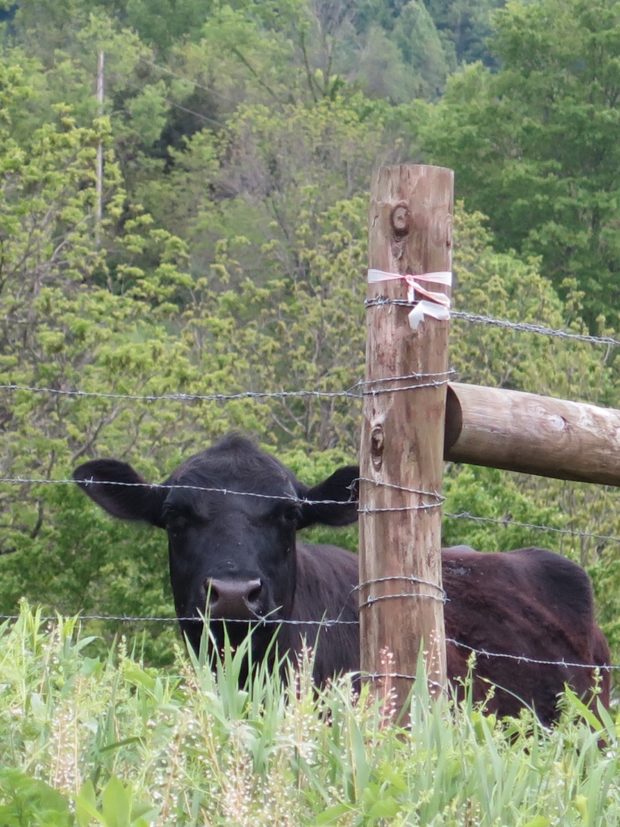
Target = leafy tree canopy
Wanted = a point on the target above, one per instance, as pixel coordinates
(537, 145)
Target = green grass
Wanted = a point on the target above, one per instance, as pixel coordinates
(90, 740)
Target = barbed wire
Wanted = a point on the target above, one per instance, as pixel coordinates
(327, 623)
(438, 500)
(88, 481)
(258, 621)
(506, 522)
(352, 392)
(408, 578)
(172, 486)
(358, 390)
(187, 397)
(526, 659)
(522, 327)
(398, 596)
(527, 327)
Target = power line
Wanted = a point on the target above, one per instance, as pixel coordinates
(198, 115)
(195, 83)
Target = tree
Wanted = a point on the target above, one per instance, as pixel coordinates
(72, 316)
(256, 179)
(422, 50)
(537, 145)
(465, 26)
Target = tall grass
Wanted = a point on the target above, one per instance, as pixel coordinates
(90, 740)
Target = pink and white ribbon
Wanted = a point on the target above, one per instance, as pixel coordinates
(436, 305)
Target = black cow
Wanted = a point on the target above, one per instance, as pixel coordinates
(233, 549)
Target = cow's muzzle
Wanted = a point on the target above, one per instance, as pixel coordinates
(233, 599)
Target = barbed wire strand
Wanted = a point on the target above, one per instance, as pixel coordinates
(526, 327)
(259, 621)
(184, 397)
(173, 486)
(370, 601)
(324, 623)
(363, 510)
(439, 499)
(226, 491)
(403, 488)
(526, 659)
(439, 379)
(508, 522)
(522, 327)
(409, 578)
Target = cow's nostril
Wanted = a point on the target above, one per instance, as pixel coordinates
(253, 595)
(212, 593)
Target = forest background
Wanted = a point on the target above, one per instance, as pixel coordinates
(239, 141)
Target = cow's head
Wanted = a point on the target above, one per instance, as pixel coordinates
(231, 514)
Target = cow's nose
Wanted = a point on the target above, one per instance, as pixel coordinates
(234, 599)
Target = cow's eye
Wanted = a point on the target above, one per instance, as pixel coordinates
(176, 521)
(289, 513)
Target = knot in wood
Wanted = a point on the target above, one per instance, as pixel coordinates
(376, 446)
(401, 220)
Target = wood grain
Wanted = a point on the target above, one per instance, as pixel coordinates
(410, 231)
(532, 434)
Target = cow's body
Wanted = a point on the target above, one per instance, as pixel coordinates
(527, 603)
(236, 552)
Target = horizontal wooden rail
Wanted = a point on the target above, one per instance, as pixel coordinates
(532, 434)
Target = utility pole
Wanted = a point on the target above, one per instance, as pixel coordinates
(99, 167)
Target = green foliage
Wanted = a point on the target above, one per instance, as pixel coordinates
(486, 493)
(163, 23)
(402, 60)
(536, 147)
(464, 25)
(192, 748)
(25, 801)
(422, 50)
(116, 807)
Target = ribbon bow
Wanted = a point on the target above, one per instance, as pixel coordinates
(436, 305)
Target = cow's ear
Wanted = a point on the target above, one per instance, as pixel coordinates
(333, 501)
(132, 499)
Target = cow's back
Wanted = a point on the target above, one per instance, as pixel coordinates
(531, 604)
(528, 603)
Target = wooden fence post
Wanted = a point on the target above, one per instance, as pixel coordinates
(532, 434)
(401, 601)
